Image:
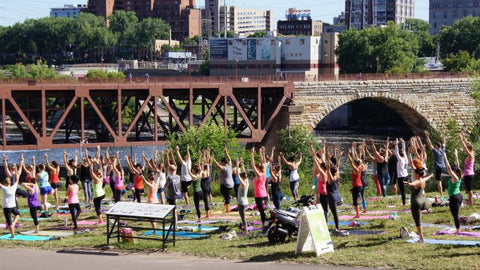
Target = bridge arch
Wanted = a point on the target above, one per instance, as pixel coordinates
(412, 113)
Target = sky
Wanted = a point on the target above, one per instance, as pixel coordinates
(12, 11)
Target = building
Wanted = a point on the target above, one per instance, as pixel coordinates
(242, 20)
(183, 17)
(212, 15)
(361, 14)
(67, 11)
(340, 19)
(299, 22)
(330, 28)
(309, 56)
(446, 12)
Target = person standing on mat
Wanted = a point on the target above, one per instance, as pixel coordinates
(242, 195)
(226, 180)
(98, 191)
(54, 169)
(382, 165)
(33, 202)
(119, 176)
(152, 184)
(159, 175)
(172, 186)
(417, 195)
(197, 190)
(469, 165)
(276, 174)
(186, 166)
(70, 166)
(454, 194)
(356, 176)
(261, 194)
(9, 188)
(86, 180)
(402, 168)
(137, 170)
(438, 159)
(333, 195)
(207, 175)
(73, 201)
(11, 171)
(294, 176)
(45, 188)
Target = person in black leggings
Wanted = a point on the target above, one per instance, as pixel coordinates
(332, 191)
(455, 196)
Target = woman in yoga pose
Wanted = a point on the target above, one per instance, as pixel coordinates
(33, 202)
(455, 196)
(98, 191)
(357, 168)
(9, 188)
(402, 166)
(73, 201)
(261, 194)
(417, 199)
(469, 164)
(54, 169)
(226, 180)
(242, 194)
(294, 176)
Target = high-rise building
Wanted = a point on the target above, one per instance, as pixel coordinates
(245, 20)
(67, 11)
(212, 14)
(446, 12)
(365, 13)
(182, 15)
(299, 22)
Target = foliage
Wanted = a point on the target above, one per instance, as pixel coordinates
(215, 137)
(230, 34)
(204, 68)
(105, 75)
(463, 35)
(386, 49)
(191, 41)
(38, 71)
(263, 33)
(421, 30)
(462, 61)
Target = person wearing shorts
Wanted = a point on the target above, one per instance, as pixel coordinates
(54, 169)
(186, 166)
(294, 176)
(172, 186)
(469, 167)
(226, 178)
(9, 202)
(438, 159)
(45, 188)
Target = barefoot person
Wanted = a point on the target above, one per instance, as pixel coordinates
(33, 202)
(45, 188)
(73, 201)
(469, 164)
(54, 169)
(438, 159)
(159, 176)
(242, 195)
(402, 168)
(276, 174)
(260, 189)
(382, 165)
(98, 191)
(226, 179)
(9, 188)
(455, 196)
(356, 175)
(197, 190)
(186, 179)
(417, 199)
(152, 184)
(294, 176)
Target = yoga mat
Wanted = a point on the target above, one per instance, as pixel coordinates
(48, 233)
(365, 232)
(225, 217)
(446, 242)
(386, 212)
(70, 228)
(24, 210)
(449, 231)
(204, 221)
(89, 222)
(375, 199)
(256, 222)
(198, 228)
(432, 225)
(348, 223)
(178, 234)
(364, 217)
(21, 237)
(251, 228)
(31, 219)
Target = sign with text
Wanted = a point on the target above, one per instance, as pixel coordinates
(146, 210)
(218, 49)
(313, 232)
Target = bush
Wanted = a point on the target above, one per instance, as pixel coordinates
(105, 75)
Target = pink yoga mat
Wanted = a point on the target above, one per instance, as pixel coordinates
(452, 232)
(89, 222)
(364, 217)
(384, 212)
(225, 217)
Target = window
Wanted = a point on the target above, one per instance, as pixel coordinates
(287, 42)
(302, 41)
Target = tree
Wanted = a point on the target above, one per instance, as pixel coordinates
(463, 35)
(421, 30)
(124, 25)
(386, 49)
(263, 33)
(148, 30)
(93, 37)
(462, 61)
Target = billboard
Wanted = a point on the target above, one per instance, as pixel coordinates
(218, 49)
(251, 49)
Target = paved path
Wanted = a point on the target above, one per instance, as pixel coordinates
(82, 259)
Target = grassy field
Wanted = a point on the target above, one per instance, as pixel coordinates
(383, 251)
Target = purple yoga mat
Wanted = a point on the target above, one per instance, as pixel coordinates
(251, 228)
(364, 217)
(452, 232)
(207, 221)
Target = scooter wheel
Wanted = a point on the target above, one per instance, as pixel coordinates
(275, 237)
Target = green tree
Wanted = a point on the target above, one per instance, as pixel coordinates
(263, 33)
(92, 37)
(421, 30)
(123, 25)
(462, 61)
(463, 35)
(148, 30)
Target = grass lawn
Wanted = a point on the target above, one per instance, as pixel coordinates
(384, 251)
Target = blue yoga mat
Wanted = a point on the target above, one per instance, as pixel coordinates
(31, 219)
(179, 234)
(346, 223)
(21, 237)
(447, 242)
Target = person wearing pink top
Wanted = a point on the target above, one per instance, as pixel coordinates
(469, 164)
(73, 201)
(261, 194)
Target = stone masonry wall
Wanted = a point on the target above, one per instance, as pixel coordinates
(420, 102)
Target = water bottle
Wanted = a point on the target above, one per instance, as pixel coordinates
(394, 215)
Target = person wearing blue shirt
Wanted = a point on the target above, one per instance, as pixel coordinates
(438, 159)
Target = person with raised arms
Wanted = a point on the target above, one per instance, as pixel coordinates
(382, 165)
(402, 168)
(186, 165)
(438, 159)
(159, 175)
(259, 183)
(469, 167)
(242, 194)
(455, 196)
(137, 170)
(96, 171)
(9, 188)
(54, 169)
(73, 201)
(294, 176)
(356, 175)
(333, 178)
(70, 166)
(45, 188)
(226, 180)
(197, 190)
(119, 177)
(152, 183)
(276, 174)
(417, 195)
(33, 202)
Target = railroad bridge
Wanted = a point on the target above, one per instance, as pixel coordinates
(62, 115)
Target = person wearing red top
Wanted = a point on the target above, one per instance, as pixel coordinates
(54, 169)
(137, 170)
(356, 175)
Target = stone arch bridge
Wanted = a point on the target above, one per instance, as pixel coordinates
(421, 103)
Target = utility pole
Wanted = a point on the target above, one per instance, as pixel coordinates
(225, 18)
